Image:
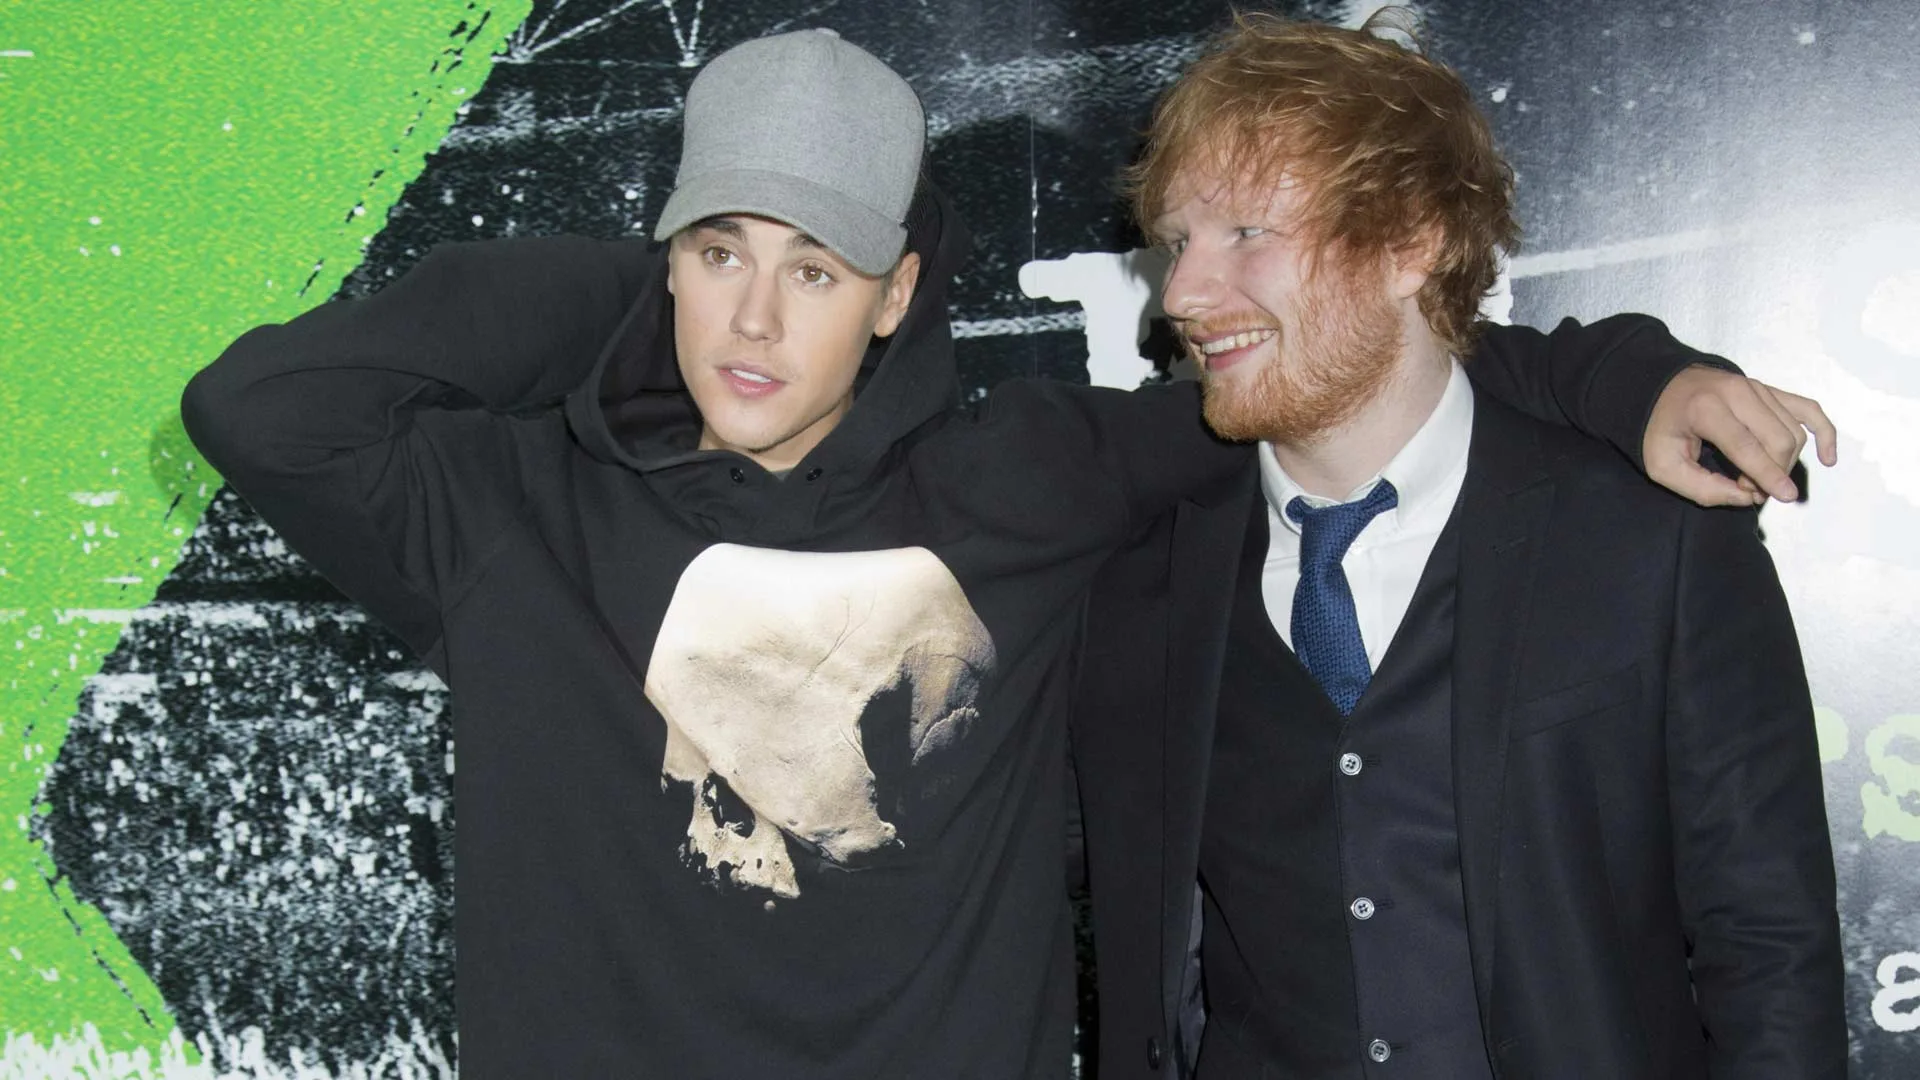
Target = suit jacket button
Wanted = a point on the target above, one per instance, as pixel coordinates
(1154, 1057)
(1378, 1050)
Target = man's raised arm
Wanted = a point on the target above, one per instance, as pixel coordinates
(1625, 379)
(314, 421)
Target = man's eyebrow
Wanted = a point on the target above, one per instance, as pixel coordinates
(728, 226)
(719, 224)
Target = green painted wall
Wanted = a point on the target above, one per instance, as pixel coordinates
(170, 175)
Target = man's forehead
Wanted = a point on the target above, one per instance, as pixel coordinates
(1244, 192)
(740, 225)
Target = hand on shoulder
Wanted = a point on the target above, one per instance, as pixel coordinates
(1759, 428)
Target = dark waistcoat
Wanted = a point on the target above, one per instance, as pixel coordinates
(1335, 942)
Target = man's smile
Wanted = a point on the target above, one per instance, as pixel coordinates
(1219, 351)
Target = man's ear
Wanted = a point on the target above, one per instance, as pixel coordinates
(899, 294)
(1412, 263)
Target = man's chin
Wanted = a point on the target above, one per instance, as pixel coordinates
(1239, 416)
(742, 438)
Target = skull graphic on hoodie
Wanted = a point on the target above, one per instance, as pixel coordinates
(768, 669)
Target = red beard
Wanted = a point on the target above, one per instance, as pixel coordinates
(1342, 351)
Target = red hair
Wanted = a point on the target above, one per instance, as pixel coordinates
(1387, 144)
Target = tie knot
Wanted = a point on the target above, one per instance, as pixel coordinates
(1327, 531)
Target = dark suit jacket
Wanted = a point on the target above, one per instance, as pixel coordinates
(1638, 793)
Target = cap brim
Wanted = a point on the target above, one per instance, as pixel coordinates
(867, 240)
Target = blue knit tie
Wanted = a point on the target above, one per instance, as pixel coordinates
(1326, 632)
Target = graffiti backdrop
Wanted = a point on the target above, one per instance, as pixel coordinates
(225, 844)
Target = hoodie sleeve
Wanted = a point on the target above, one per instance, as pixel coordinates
(1152, 448)
(369, 433)
(1600, 379)
(1139, 451)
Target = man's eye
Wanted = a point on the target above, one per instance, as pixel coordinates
(719, 256)
(1248, 232)
(814, 275)
(1175, 246)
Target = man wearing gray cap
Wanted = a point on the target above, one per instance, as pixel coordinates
(760, 644)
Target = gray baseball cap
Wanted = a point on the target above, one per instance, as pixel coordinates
(806, 129)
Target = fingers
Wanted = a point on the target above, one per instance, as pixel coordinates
(1672, 458)
(1753, 405)
(1689, 480)
(1808, 414)
(1770, 397)
(1782, 430)
(1753, 439)
(1756, 465)
(1760, 430)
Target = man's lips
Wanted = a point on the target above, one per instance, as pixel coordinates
(1218, 352)
(749, 381)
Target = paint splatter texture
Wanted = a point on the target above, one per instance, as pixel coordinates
(174, 175)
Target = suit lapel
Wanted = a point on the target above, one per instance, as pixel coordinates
(1505, 504)
(1207, 539)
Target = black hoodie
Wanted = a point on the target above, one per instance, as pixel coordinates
(759, 776)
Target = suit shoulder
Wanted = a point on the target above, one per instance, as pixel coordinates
(1585, 468)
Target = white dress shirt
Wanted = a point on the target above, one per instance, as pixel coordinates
(1386, 560)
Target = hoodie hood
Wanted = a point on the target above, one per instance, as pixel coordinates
(635, 410)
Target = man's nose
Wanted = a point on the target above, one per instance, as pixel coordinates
(1193, 286)
(757, 317)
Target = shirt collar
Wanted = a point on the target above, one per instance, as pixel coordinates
(1418, 472)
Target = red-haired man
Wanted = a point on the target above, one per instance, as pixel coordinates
(1491, 758)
